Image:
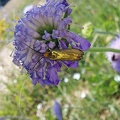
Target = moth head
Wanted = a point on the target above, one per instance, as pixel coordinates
(50, 54)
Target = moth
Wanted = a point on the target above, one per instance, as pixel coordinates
(62, 54)
(65, 54)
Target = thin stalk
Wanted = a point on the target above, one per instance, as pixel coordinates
(103, 49)
(105, 32)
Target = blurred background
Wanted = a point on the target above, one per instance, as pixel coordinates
(90, 92)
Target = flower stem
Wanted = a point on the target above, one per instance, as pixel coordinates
(105, 32)
(103, 49)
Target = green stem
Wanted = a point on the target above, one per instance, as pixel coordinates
(105, 32)
(103, 49)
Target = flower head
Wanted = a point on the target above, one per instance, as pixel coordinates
(114, 58)
(43, 28)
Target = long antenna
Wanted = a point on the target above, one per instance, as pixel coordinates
(35, 51)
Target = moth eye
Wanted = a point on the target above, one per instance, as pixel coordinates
(54, 55)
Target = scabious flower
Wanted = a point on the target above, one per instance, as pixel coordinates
(113, 57)
(42, 28)
(57, 110)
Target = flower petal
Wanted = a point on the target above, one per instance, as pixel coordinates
(57, 110)
(71, 64)
(52, 76)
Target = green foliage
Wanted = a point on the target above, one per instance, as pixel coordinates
(102, 100)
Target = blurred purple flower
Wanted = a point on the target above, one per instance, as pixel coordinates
(114, 58)
(43, 28)
(57, 110)
(3, 118)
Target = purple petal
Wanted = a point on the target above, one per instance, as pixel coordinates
(64, 23)
(16, 62)
(55, 34)
(81, 43)
(62, 44)
(52, 76)
(71, 64)
(46, 36)
(57, 66)
(51, 45)
(84, 44)
(57, 110)
(37, 79)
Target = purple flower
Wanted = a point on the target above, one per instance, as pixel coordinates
(57, 110)
(114, 58)
(43, 28)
